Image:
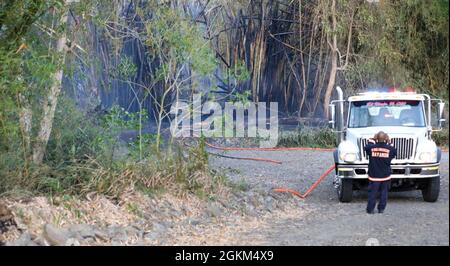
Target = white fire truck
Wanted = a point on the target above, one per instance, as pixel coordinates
(407, 118)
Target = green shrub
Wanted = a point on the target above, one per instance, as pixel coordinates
(441, 137)
(73, 136)
(80, 158)
(309, 137)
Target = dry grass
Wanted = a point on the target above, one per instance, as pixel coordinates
(178, 170)
(38, 211)
(32, 214)
(234, 230)
(231, 228)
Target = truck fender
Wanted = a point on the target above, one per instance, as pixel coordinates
(336, 156)
(439, 154)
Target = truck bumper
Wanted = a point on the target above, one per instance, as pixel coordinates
(359, 171)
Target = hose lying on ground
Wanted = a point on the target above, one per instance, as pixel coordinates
(259, 149)
(293, 192)
(302, 196)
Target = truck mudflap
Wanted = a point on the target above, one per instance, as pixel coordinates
(359, 171)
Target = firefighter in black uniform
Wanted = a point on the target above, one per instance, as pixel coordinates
(380, 154)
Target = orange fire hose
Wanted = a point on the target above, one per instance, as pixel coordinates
(295, 193)
(302, 196)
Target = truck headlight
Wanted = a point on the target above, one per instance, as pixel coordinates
(349, 157)
(348, 152)
(427, 157)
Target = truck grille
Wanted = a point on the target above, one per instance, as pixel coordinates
(404, 146)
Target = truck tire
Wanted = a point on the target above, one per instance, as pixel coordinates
(345, 190)
(431, 192)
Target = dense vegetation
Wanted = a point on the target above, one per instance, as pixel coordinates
(62, 63)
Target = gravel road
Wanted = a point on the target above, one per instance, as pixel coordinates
(408, 220)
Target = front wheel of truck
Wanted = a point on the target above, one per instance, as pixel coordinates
(431, 191)
(345, 190)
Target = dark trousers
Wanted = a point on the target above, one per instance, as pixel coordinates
(374, 188)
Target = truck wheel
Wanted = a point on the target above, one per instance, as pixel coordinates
(431, 192)
(345, 190)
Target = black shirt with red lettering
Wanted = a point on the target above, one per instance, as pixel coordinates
(380, 157)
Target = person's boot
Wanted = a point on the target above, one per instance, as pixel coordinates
(370, 212)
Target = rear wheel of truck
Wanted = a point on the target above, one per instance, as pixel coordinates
(431, 192)
(345, 190)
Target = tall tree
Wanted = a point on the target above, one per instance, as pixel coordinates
(51, 100)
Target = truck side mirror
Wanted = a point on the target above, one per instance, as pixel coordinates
(332, 112)
(441, 120)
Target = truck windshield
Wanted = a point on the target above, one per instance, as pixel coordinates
(386, 113)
